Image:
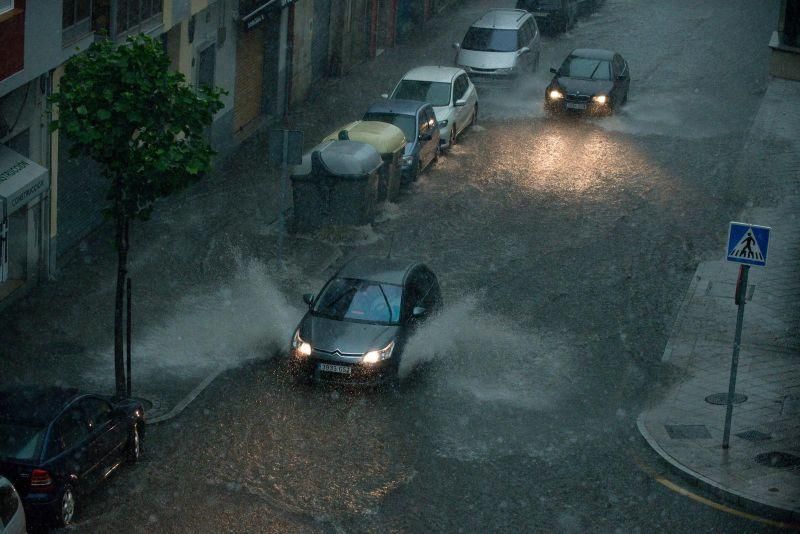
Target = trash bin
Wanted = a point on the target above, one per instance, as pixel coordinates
(390, 143)
(336, 184)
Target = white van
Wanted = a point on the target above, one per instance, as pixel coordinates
(500, 46)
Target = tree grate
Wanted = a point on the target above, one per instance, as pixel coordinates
(722, 398)
(754, 435)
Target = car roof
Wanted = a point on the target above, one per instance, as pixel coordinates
(397, 107)
(593, 53)
(502, 19)
(433, 74)
(377, 269)
(34, 404)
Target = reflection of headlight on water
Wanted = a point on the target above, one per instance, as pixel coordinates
(600, 99)
(301, 348)
(374, 356)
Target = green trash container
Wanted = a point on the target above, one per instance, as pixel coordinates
(336, 184)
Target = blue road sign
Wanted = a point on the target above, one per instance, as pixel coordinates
(748, 243)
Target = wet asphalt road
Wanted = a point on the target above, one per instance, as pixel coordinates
(564, 247)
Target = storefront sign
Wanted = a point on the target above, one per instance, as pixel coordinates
(21, 180)
(257, 13)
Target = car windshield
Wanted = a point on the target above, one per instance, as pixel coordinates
(360, 300)
(20, 441)
(582, 67)
(435, 93)
(404, 122)
(490, 40)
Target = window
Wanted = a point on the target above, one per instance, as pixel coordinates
(70, 430)
(6, 5)
(97, 410)
(75, 12)
(490, 40)
(461, 86)
(132, 13)
(76, 20)
(436, 93)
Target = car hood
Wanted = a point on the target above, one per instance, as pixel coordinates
(347, 337)
(486, 60)
(586, 87)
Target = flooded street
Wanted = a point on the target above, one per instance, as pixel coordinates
(563, 246)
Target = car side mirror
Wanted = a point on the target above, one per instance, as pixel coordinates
(308, 298)
(461, 102)
(456, 45)
(524, 50)
(384, 95)
(554, 71)
(418, 312)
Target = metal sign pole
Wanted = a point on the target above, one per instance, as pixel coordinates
(741, 292)
(128, 331)
(3, 241)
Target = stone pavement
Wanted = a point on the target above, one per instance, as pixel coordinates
(761, 469)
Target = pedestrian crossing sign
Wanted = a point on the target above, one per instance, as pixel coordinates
(748, 243)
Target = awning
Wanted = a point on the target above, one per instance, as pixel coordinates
(21, 180)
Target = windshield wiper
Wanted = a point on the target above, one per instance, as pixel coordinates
(387, 302)
(591, 77)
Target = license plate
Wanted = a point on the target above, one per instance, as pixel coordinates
(341, 369)
(573, 105)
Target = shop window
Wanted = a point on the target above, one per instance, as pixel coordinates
(76, 20)
(6, 5)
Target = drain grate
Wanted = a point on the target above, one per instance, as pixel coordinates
(722, 398)
(687, 431)
(778, 459)
(754, 435)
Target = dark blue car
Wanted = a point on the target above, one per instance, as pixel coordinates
(419, 125)
(57, 444)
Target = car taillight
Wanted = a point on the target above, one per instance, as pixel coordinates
(41, 480)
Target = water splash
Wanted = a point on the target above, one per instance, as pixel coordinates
(243, 317)
(490, 358)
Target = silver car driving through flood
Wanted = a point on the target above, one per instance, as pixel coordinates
(356, 328)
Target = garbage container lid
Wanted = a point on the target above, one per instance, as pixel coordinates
(386, 138)
(348, 158)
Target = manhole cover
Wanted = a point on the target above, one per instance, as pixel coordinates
(778, 459)
(687, 431)
(754, 435)
(63, 348)
(722, 398)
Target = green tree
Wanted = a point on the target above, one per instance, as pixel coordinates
(120, 105)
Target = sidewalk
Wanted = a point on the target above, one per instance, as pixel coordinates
(207, 291)
(761, 469)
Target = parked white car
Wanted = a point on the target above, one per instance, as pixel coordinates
(451, 93)
(12, 516)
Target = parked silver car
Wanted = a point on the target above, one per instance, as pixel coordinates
(500, 46)
(12, 515)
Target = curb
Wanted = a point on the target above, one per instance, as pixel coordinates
(717, 489)
(184, 402)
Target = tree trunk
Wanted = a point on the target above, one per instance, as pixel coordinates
(122, 273)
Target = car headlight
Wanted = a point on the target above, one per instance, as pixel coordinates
(600, 99)
(555, 94)
(300, 347)
(374, 356)
(508, 70)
